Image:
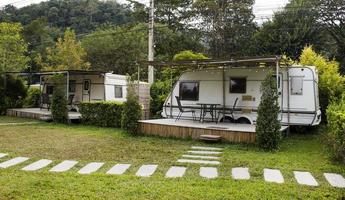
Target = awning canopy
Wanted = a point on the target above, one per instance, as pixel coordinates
(241, 62)
(70, 72)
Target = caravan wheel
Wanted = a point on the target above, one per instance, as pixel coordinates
(227, 119)
(243, 120)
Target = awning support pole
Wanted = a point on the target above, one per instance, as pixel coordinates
(172, 92)
(67, 83)
(223, 77)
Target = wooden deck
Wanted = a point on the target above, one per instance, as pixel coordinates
(241, 133)
(37, 113)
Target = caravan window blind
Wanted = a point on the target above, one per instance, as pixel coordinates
(189, 91)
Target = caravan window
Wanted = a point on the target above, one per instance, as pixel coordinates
(238, 85)
(189, 91)
(118, 91)
(296, 85)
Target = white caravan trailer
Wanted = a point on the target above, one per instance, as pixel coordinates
(297, 89)
(88, 86)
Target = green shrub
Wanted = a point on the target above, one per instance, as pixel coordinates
(12, 94)
(131, 113)
(336, 129)
(102, 113)
(59, 102)
(331, 83)
(32, 100)
(267, 124)
(159, 91)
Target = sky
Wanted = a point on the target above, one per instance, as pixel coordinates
(263, 9)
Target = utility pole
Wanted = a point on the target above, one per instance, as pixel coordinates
(151, 42)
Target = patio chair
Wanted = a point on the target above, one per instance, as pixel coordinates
(229, 112)
(183, 110)
(45, 100)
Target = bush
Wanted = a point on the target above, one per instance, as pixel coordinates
(267, 125)
(59, 101)
(106, 114)
(336, 129)
(11, 96)
(131, 113)
(331, 83)
(33, 98)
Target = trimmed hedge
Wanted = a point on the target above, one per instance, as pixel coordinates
(336, 131)
(102, 113)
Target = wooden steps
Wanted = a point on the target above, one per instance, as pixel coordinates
(210, 138)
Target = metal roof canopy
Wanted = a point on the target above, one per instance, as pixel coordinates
(242, 62)
(70, 72)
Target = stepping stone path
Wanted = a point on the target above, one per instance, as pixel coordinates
(146, 170)
(305, 178)
(209, 162)
(90, 168)
(335, 180)
(240, 173)
(37, 165)
(201, 155)
(175, 172)
(118, 169)
(13, 162)
(208, 172)
(273, 175)
(205, 152)
(2, 155)
(64, 166)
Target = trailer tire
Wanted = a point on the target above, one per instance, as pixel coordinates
(227, 119)
(243, 120)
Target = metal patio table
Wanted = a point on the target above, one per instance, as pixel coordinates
(210, 108)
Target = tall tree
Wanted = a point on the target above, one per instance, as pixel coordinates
(174, 13)
(332, 15)
(228, 25)
(291, 30)
(68, 54)
(39, 36)
(12, 48)
(116, 49)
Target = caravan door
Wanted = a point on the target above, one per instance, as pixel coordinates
(86, 90)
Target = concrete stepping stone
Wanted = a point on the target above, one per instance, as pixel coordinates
(208, 172)
(205, 152)
(146, 170)
(240, 173)
(207, 148)
(118, 169)
(37, 165)
(336, 180)
(210, 162)
(64, 166)
(273, 175)
(175, 172)
(90, 168)
(13, 162)
(305, 178)
(202, 157)
(3, 155)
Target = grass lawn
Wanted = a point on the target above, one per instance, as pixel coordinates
(87, 143)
